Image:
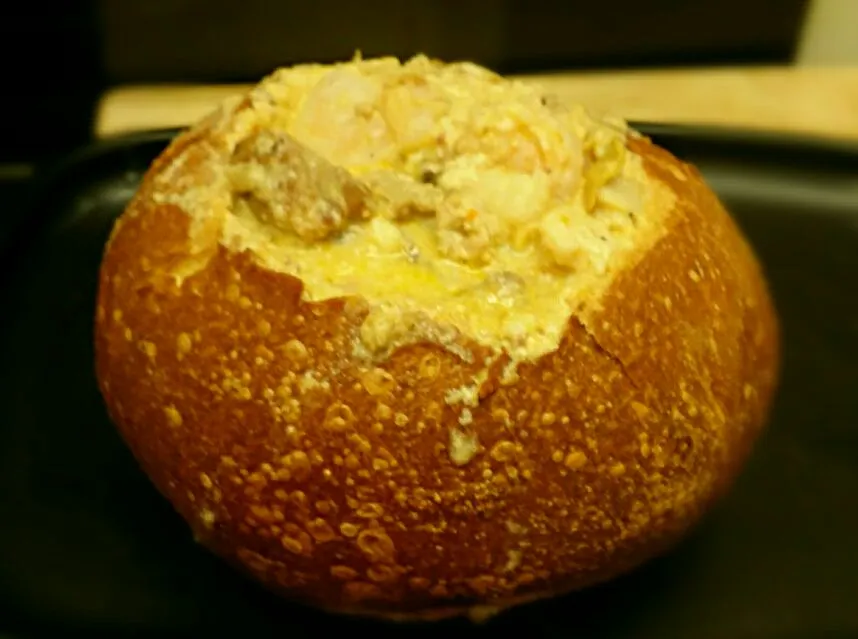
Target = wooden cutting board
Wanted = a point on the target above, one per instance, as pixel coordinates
(800, 100)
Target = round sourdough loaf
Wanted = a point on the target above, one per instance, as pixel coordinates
(413, 340)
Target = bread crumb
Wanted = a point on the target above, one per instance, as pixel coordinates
(509, 374)
(462, 447)
(465, 417)
(467, 395)
(513, 560)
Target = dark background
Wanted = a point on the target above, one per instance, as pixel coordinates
(776, 560)
(59, 56)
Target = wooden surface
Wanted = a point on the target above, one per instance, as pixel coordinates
(802, 100)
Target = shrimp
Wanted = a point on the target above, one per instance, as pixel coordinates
(340, 120)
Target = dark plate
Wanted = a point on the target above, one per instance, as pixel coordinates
(88, 547)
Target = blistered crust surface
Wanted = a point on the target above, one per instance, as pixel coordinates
(436, 477)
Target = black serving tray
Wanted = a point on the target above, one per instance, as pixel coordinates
(88, 548)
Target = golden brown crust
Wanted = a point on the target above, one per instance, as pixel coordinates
(331, 481)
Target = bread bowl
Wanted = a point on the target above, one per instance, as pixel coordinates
(412, 340)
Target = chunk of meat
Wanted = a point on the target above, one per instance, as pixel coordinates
(294, 189)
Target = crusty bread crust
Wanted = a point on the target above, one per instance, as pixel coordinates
(600, 455)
